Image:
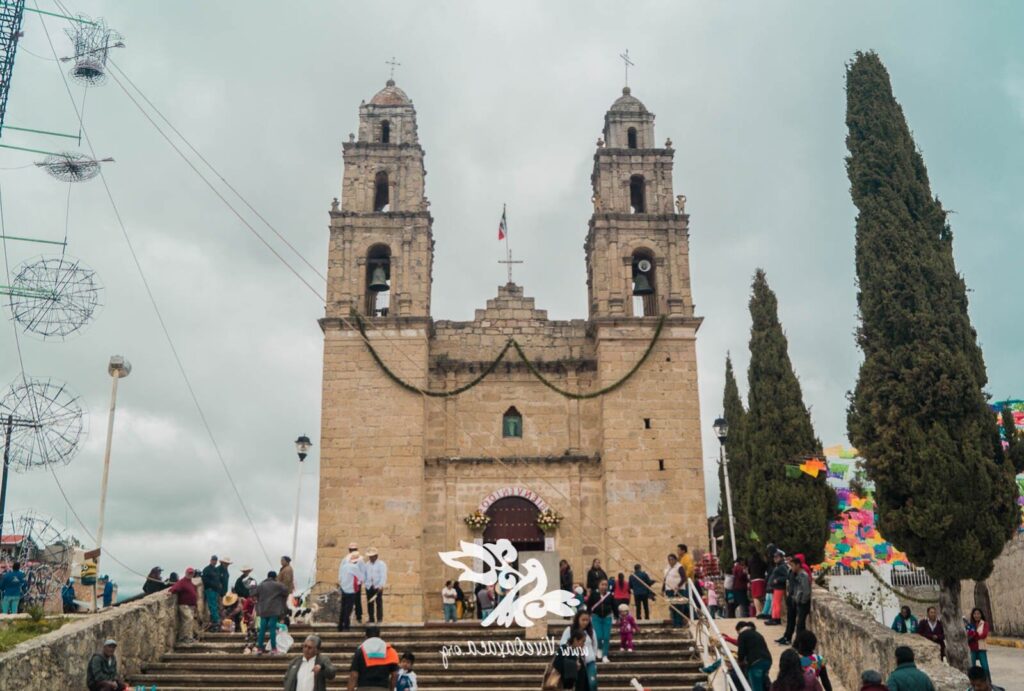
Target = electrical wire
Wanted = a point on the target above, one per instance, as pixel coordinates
(156, 308)
(215, 171)
(220, 196)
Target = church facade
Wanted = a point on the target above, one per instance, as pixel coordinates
(426, 421)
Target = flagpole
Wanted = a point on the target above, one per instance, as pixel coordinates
(508, 250)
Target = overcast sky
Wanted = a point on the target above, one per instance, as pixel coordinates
(510, 99)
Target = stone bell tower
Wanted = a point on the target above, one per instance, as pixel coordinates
(638, 277)
(383, 225)
(379, 267)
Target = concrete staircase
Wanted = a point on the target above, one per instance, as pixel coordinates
(665, 660)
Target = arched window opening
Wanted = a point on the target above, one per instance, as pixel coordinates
(512, 423)
(645, 295)
(385, 132)
(378, 281)
(631, 138)
(636, 195)
(381, 193)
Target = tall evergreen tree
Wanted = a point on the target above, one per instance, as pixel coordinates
(791, 512)
(736, 447)
(944, 491)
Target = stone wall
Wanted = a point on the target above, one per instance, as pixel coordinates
(1004, 591)
(144, 630)
(852, 641)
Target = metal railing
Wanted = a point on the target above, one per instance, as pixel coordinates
(912, 577)
(710, 644)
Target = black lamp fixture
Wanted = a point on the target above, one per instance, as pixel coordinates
(302, 445)
(721, 429)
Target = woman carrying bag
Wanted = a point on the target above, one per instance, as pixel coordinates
(569, 670)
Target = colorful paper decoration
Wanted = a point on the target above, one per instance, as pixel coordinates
(854, 541)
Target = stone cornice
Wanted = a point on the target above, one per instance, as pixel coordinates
(389, 323)
(440, 461)
(443, 365)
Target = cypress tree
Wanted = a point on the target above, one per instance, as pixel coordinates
(791, 512)
(944, 492)
(735, 416)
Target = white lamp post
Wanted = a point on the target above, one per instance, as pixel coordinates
(721, 428)
(302, 445)
(118, 368)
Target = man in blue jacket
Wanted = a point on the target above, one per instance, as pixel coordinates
(640, 583)
(212, 582)
(12, 585)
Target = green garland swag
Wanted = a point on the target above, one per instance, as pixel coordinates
(924, 601)
(510, 343)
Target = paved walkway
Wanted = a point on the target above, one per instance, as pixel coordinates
(770, 633)
(1007, 667)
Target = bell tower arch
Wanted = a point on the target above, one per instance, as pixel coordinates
(634, 207)
(383, 205)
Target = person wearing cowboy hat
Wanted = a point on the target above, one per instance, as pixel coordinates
(243, 584)
(376, 578)
(349, 573)
(225, 578)
(232, 611)
(354, 547)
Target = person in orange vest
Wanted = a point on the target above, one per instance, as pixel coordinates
(374, 665)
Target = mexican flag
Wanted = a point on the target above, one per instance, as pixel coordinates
(502, 227)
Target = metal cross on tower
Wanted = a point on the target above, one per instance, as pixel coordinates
(628, 63)
(393, 64)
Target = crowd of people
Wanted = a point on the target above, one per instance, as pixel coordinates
(375, 666)
(231, 605)
(930, 627)
(768, 589)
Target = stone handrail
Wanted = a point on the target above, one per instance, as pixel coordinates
(144, 630)
(852, 641)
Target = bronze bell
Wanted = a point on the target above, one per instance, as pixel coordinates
(379, 280)
(642, 286)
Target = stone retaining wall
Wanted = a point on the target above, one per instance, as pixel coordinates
(1004, 591)
(144, 631)
(852, 641)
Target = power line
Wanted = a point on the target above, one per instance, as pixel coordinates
(156, 308)
(215, 171)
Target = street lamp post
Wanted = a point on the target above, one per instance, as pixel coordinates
(302, 445)
(721, 428)
(118, 369)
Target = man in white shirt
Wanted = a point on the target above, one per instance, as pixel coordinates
(311, 671)
(350, 571)
(376, 572)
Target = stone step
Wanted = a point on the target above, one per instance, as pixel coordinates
(278, 663)
(425, 646)
(655, 686)
(607, 678)
(450, 632)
